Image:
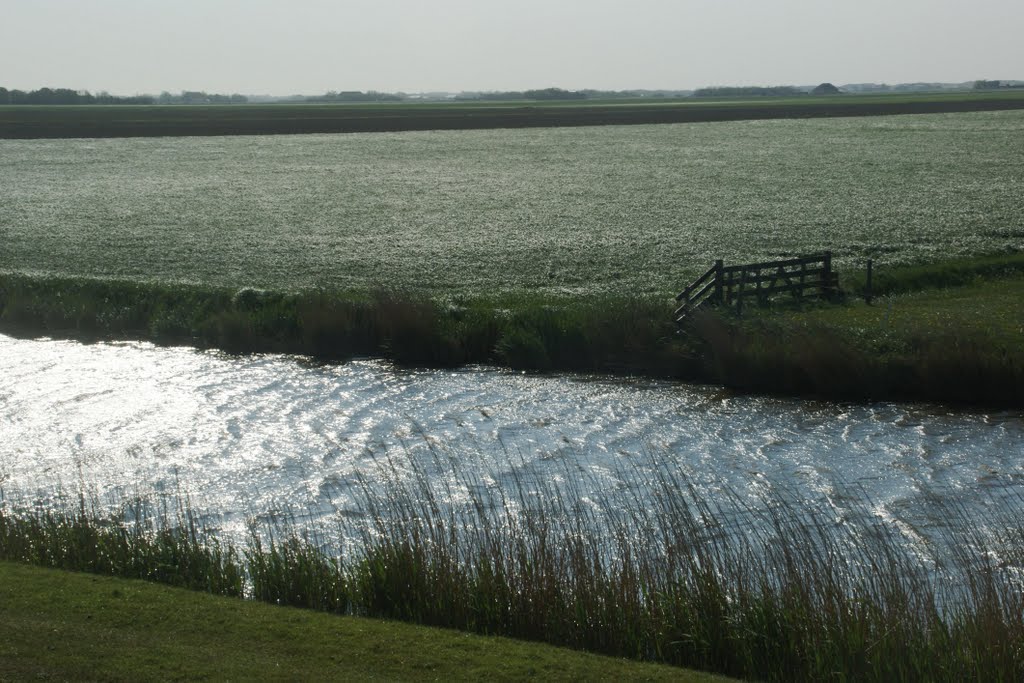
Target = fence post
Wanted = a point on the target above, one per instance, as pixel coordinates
(828, 276)
(719, 298)
(739, 292)
(867, 293)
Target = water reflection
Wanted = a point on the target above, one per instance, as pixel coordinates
(263, 436)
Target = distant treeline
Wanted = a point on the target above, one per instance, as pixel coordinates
(358, 96)
(67, 96)
(559, 94)
(504, 95)
(543, 94)
(748, 91)
(199, 97)
(997, 85)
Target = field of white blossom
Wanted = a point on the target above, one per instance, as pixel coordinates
(570, 211)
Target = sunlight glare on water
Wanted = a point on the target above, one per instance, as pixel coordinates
(258, 436)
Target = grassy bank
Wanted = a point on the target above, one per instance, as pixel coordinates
(93, 121)
(667, 579)
(959, 340)
(58, 625)
(602, 334)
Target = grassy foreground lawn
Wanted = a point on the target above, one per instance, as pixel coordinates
(65, 626)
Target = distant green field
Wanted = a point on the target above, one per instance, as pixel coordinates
(554, 211)
(24, 121)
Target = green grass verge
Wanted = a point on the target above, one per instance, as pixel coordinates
(57, 625)
(989, 310)
(937, 275)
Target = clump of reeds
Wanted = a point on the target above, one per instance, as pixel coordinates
(765, 591)
(166, 545)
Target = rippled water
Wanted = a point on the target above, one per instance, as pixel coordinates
(262, 436)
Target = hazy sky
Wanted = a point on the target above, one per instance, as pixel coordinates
(311, 46)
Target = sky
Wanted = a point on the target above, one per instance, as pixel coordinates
(313, 46)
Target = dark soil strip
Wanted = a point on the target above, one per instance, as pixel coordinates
(144, 121)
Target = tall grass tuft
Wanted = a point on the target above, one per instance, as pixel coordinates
(162, 545)
(295, 572)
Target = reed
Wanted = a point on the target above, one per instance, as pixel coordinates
(142, 541)
(666, 576)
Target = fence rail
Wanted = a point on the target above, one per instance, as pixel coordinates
(731, 285)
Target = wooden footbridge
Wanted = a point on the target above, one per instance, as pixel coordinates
(732, 285)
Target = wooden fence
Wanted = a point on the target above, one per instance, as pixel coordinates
(731, 285)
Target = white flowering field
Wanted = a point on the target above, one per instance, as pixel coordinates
(630, 209)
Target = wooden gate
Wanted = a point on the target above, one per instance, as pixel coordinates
(731, 285)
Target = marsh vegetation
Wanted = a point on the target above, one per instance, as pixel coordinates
(663, 580)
